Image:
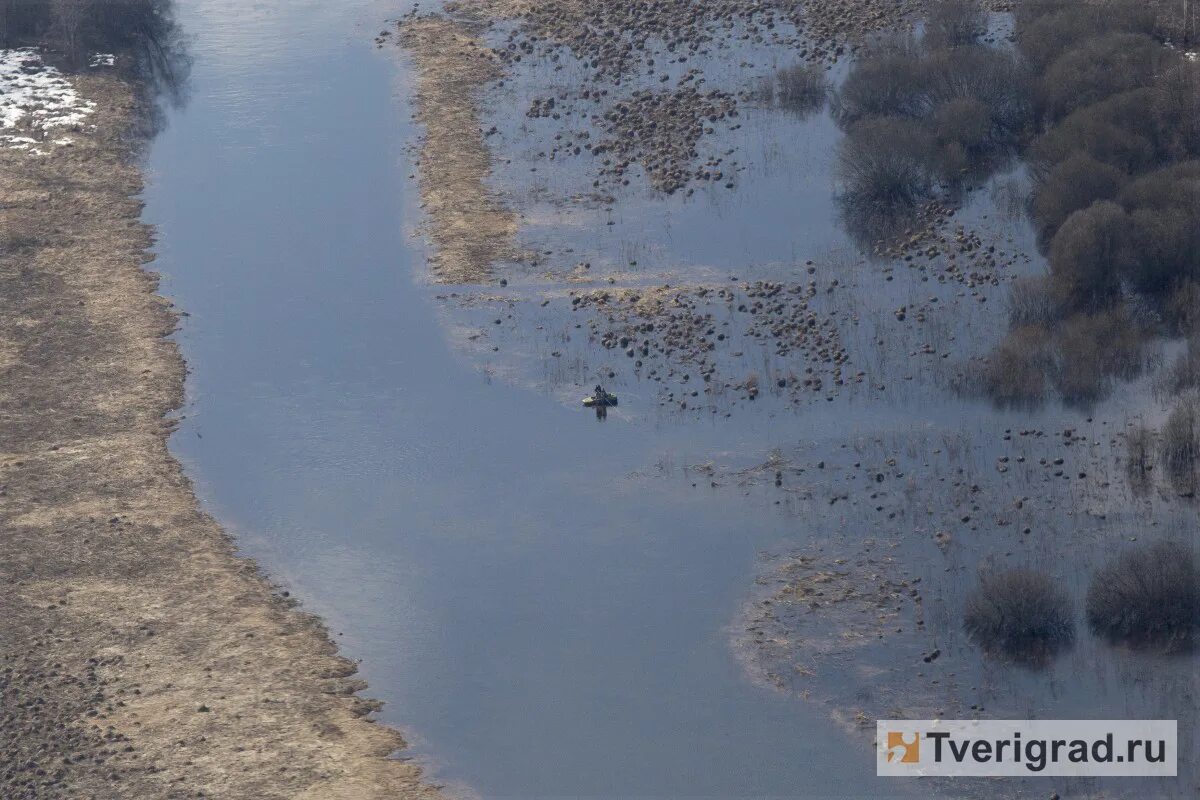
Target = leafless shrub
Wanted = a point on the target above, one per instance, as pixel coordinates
(1048, 28)
(1120, 131)
(1146, 596)
(1182, 307)
(1099, 68)
(1164, 228)
(885, 160)
(954, 23)
(1090, 252)
(887, 81)
(1072, 185)
(1020, 614)
(1139, 456)
(1092, 349)
(1179, 441)
(801, 88)
(1032, 300)
(1015, 372)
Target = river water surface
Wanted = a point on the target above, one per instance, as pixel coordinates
(538, 622)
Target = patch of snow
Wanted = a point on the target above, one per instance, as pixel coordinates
(35, 97)
(102, 60)
(1192, 55)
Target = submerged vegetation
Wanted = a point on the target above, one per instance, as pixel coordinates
(801, 88)
(1019, 614)
(1180, 443)
(1147, 596)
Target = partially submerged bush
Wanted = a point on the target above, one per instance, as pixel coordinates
(1015, 373)
(885, 160)
(886, 82)
(1033, 300)
(1021, 614)
(1092, 349)
(944, 110)
(1139, 456)
(1079, 355)
(901, 79)
(1147, 596)
(801, 88)
(1180, 441)
(1117, 203)
(1089, 253)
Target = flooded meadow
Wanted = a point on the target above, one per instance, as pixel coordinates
(426, 253)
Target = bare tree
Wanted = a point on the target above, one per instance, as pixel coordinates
(69, 17)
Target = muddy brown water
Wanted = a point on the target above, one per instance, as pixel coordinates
(547, 603)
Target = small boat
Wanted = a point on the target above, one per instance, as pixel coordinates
(607, 399)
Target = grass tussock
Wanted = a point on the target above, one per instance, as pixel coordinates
(1184, 374)
(800, 88)
(1147, 596)
(1139, 456)
(1020, 614)
(1179, 442)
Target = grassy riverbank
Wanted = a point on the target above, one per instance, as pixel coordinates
(140, 656)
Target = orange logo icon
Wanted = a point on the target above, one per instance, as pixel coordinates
(904, 748)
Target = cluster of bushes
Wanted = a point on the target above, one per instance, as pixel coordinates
(931, 111)
(1147, 596)
(1078, 356)
(1117, 197)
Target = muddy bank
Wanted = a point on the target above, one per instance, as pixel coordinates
(139, 655)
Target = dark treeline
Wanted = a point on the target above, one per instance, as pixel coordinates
(1118, 194)
(142, 34)
(1102, 100)
(925, 116)
(928, 112)
(1116, 199)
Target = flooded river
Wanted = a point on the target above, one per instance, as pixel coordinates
(547, 602)
(539, 622)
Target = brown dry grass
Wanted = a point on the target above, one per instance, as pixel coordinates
(139, 655)
(470, 227)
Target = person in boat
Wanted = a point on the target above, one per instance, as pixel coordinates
(600, 395)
